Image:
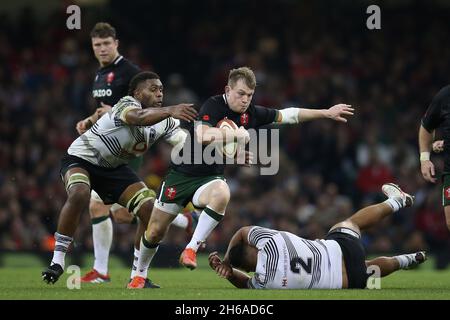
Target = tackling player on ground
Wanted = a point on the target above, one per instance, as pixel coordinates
(282, 260)
(204, 184)
(97, 160)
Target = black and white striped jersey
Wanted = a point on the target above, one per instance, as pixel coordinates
(111, 142)
(286, 261)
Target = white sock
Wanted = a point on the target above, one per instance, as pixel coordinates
(207, 221)
(146, 254)
(135, 262)
(406, 260)
(102, 235)
(62, 243)
(180, 221)
(395, 203)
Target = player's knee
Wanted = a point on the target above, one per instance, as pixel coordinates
(220, 196)
(79, 195)
(155, 233)
(145, 211)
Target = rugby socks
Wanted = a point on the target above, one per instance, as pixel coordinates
(62, 244)
(146, 254)
(406, 260)
(180, 221)
(395, 203)
(135, 262)
(207, 221)
(102, 235)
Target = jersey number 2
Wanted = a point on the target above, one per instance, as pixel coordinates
(297, 263)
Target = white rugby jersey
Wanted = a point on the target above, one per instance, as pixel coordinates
(286, 261)
(111, 142)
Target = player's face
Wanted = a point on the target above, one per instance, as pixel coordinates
(105, 49)
(151, 93)
(239, 96)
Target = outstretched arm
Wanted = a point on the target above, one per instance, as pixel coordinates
(297, 115)
(150, 116)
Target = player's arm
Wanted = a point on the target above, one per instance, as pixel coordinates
(206, 134)
(146, 117)
(223, 268)
(425, 144)
(296, 115)
(236, 277)
(430, 121)
(86, 124)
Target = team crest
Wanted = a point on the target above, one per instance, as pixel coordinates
(170, 193)
(447, 193)
(244, 119)
(110, 77)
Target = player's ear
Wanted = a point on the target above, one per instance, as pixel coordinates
(117, 43)
(227, 90)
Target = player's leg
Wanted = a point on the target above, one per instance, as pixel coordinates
(102, 236)
(78, 194)
(156, 230)
(138, 199)
(371, 215)
(388, 265)
(348, 233)
(213, 197)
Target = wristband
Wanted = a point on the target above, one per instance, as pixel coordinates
(424, 156)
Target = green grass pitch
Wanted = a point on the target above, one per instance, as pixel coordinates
(203, 284)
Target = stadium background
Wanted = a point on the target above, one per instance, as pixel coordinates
(303, 53)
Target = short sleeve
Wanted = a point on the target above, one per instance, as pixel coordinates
(264, 115)
(121, 109)
(209, 113)
(432, 118)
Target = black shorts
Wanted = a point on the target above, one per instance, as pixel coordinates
(354, 257)
(109, 183)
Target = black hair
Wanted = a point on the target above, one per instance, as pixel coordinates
(237, 255)
(140, 77)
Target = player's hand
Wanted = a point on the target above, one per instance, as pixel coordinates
(428, 172)
(183, 111)
(81, 127)
(248, 157)
(339, 111)
(214, 260)
(224, 270)
(242, 135)
(438, 146)
(103, 109)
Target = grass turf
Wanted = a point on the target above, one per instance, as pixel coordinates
(202, 284)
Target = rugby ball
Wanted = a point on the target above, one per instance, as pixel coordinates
(229, 147)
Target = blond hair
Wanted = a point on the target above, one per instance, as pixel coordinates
(244, 73)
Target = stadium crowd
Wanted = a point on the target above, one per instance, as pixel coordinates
(327, 170)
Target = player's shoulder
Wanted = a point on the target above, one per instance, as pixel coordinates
(128, 65)
(217, 100)
(128, 100)
(443, 93)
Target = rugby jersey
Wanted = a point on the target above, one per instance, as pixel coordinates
(286, 261)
